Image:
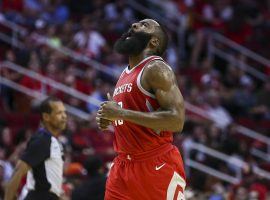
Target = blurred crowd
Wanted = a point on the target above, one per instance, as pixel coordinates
(225, 91)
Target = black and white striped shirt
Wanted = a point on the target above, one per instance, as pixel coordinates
(45, 156)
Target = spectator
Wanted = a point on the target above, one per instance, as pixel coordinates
(244, 97)
(6, 140)
(171, 10)
(230, 142)
(53, 37)
(238, 29)
(2, 171)
(94, 186)
(258, 189)
(215, 137)
(85, 84)
(56, 12)
(34, 6)
(100, 93)
(6, 165)
(12, 6)
(241, 193)
(208, 15)
(12, 9)
(120, 14)
(116, 62)
(217, 113)
(262, 108)
(67, 33)
(32, 10)
(89, 41)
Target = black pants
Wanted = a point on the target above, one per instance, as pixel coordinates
(41, 195)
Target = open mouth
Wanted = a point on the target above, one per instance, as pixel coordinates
(128, 35)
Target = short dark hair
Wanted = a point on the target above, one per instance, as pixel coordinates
(163, 38)
(45, 106)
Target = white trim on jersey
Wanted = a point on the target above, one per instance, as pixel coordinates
(149, 106)
(172, 188)
(30, 181)
(54, 167)
(144, 91)
(128, 71)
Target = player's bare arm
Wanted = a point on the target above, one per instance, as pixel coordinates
(13, 185)
(159, 79)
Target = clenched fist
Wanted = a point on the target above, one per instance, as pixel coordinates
(103, 124)
(109, 110)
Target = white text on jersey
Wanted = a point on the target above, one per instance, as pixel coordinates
(123, 88)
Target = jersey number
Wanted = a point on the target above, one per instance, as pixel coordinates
(120, 121)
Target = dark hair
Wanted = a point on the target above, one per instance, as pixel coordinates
(163, 37)
(45, 106)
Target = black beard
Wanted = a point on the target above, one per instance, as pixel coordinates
(136, 43)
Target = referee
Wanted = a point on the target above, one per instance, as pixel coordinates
(43, 158)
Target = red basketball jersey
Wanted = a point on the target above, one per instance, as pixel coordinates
(131, 138)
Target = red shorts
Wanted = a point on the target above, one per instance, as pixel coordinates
(155, 175)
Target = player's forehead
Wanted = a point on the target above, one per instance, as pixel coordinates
(150, 22)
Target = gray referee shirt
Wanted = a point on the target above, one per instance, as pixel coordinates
(45, 156)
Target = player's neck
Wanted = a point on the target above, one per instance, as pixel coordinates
(134, 60)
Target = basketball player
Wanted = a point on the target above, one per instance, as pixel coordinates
(146, 108)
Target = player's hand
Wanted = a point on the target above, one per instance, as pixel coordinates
(103, 124)
(109, 110)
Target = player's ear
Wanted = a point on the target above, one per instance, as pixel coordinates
(154, 42)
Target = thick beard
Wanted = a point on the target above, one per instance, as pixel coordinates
(134, 45)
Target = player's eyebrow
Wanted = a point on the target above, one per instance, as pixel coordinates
(146, 23)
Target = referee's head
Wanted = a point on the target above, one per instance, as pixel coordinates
(53, 114)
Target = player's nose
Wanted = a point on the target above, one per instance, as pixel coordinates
(135, 25)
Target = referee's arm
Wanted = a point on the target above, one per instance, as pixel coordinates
(12, 186)
(37, 150)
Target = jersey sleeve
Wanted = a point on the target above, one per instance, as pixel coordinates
(37, 150)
